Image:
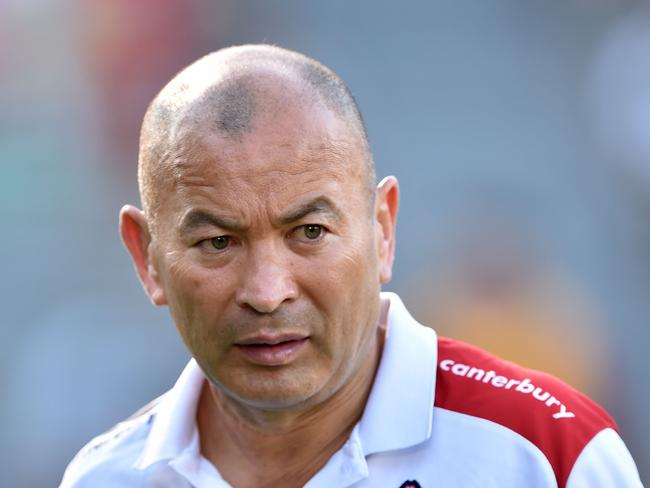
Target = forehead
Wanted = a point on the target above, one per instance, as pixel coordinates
(288, 152)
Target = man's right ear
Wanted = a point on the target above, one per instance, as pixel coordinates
(137, 239)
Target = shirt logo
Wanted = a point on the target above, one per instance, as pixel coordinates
(524, 386)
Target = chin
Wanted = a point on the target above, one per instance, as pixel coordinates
(280, 399)
(277, 404)
(278, 396)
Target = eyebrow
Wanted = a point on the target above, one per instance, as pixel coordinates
(319, 205)
(197, 218)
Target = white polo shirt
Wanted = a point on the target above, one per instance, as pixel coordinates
(441, 413)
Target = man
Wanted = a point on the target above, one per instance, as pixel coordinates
(264, 233)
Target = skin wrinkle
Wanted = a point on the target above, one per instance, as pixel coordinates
(334, 220)
(193, 176)
(184, 165)
(161, 179)
(196, 219)
(185, 171)
(195, 179)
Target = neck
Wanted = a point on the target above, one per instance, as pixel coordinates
(257, 448)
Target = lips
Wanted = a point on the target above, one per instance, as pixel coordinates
(272, 350)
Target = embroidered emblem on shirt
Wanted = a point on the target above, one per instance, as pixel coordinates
(410, 484)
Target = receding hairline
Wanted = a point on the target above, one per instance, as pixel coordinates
(221, 85)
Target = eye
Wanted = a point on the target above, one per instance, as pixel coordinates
(219, 243)
(312, 231)
(309, 233)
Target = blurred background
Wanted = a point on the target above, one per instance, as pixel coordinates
(520, 133)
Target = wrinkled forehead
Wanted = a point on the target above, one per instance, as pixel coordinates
(267, 128)
(284, 153)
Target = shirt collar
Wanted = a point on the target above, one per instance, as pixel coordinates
(399, 411)
(173, 431)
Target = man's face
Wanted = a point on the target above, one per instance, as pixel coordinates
(266, 252)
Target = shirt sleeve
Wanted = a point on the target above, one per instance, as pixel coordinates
(604, 462)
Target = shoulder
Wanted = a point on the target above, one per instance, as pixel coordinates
(547, 412)
(110, 454)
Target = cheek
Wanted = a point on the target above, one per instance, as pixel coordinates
(357, 266)
(345, 285)
(196, 298)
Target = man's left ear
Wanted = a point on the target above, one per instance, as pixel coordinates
(386, 205)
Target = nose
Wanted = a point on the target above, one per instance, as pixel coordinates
(266, 279)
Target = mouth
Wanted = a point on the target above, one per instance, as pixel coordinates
(271, 350)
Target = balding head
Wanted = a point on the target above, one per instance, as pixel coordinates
(229, 92)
